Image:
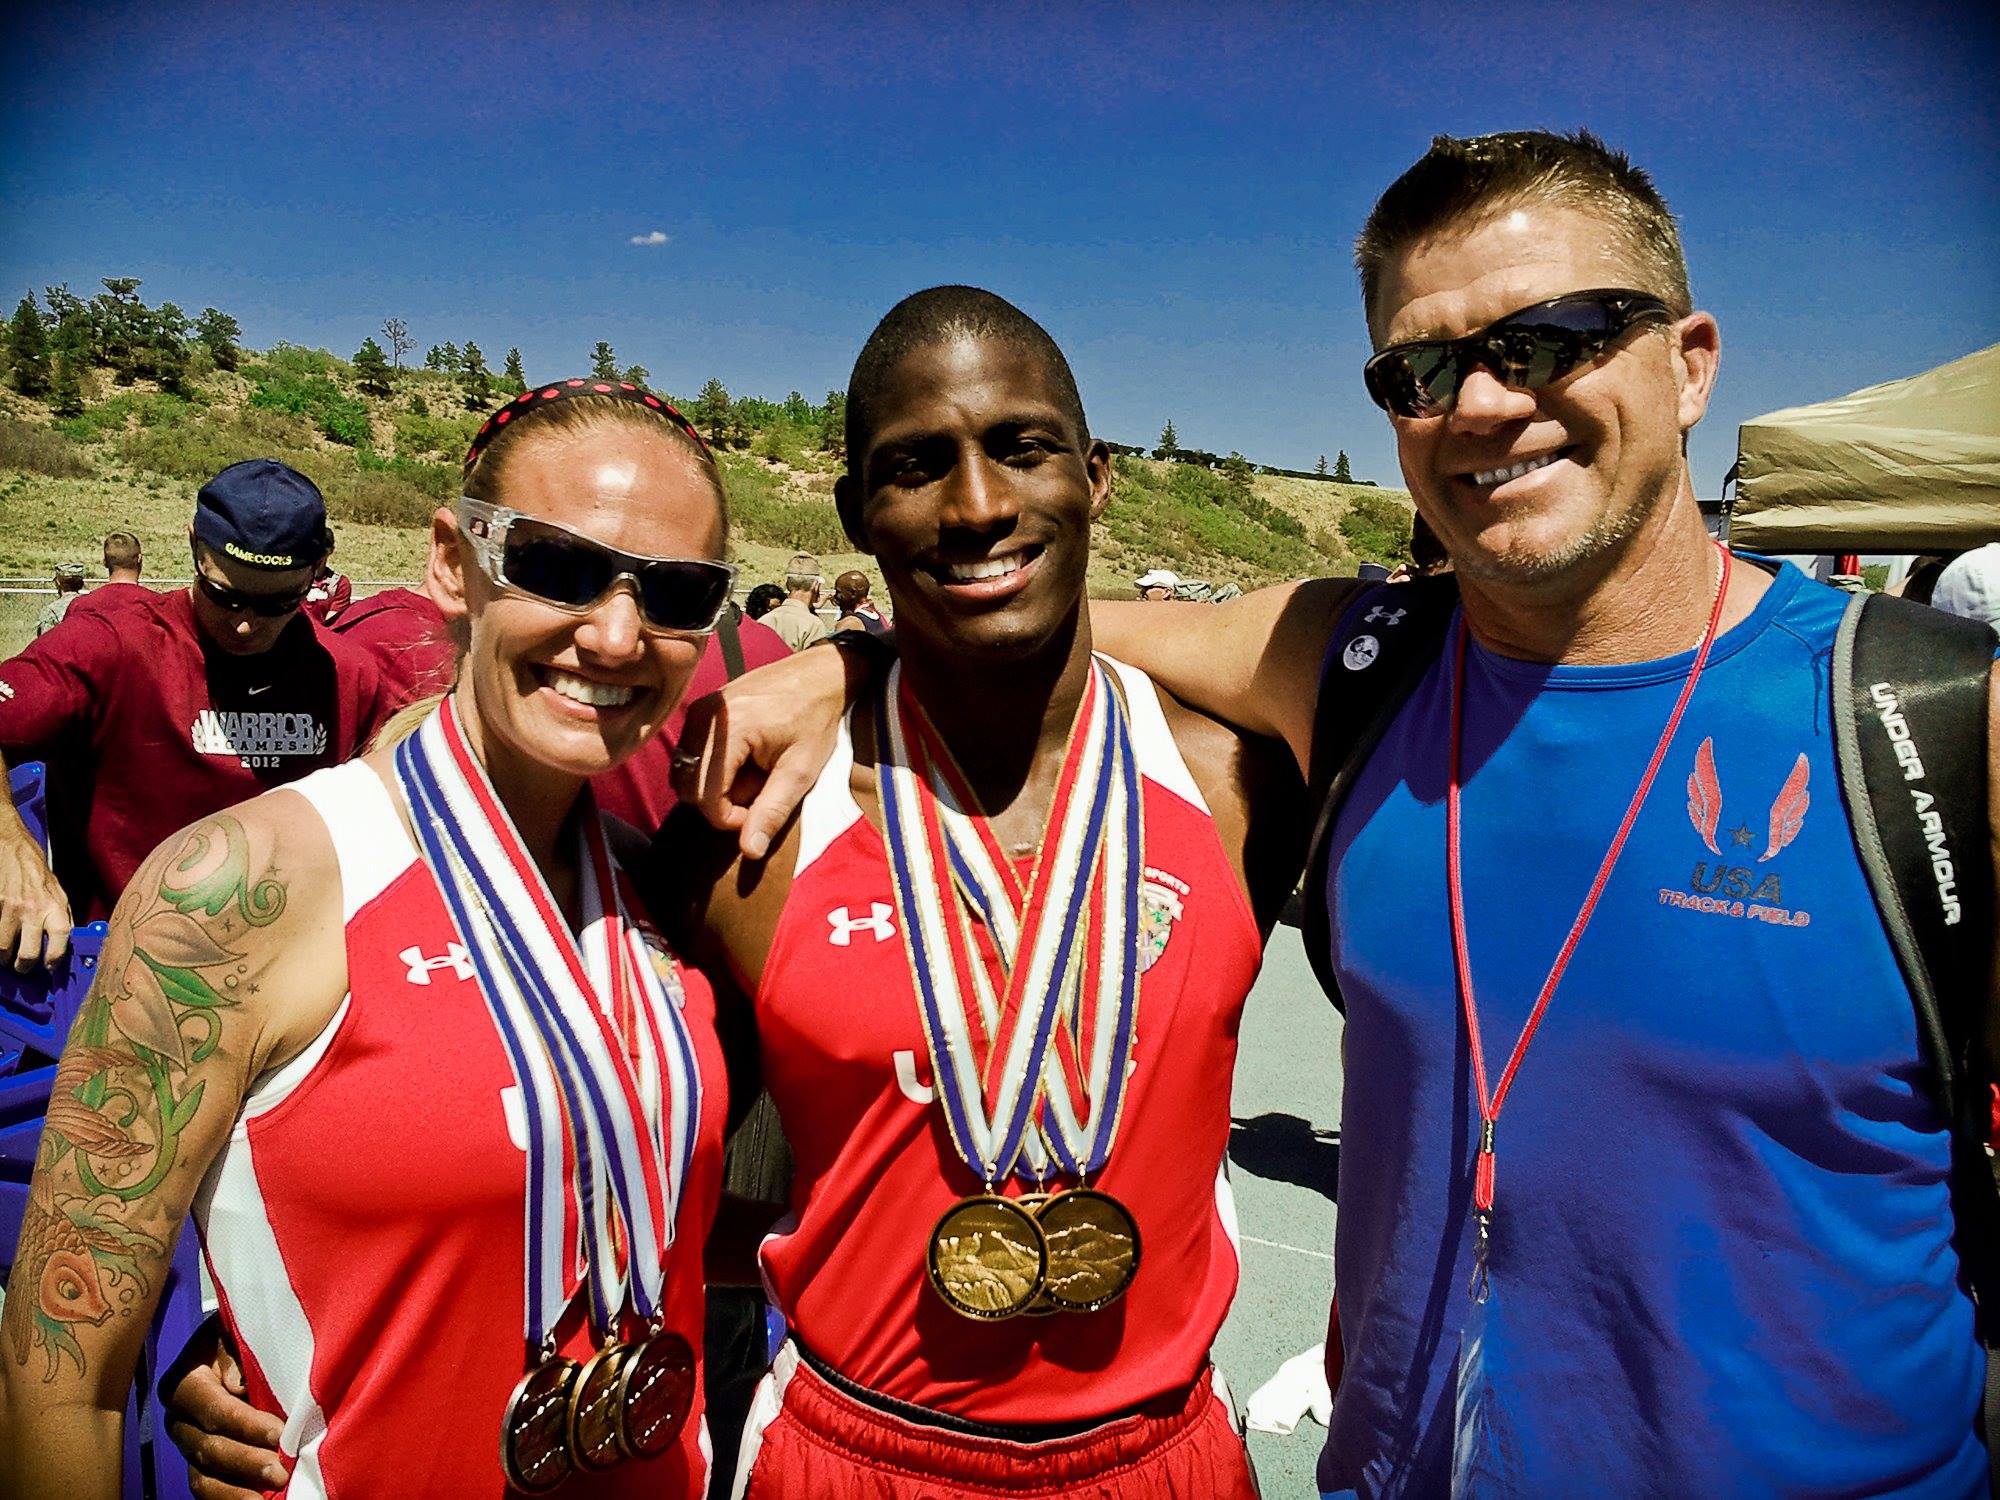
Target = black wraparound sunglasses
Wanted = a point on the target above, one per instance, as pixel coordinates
(236, 602)
(571, 571)
(1525, 350)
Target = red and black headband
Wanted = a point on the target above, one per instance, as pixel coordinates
(562, 390)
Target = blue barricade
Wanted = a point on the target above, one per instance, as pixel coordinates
(36, 1012)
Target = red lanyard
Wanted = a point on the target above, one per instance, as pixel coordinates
(1489, 1105)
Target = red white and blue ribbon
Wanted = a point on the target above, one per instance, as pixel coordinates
(629, 1115)
(1038, 1068)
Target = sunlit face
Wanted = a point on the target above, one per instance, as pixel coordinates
(581, 692)
(238, 630)
(1604, 442)
(976, 495)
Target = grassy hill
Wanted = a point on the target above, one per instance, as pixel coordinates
(135, 455)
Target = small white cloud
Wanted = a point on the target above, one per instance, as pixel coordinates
(654, 238)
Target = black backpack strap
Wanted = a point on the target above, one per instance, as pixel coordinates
(731, 641)
(1910, 688)
(1387, 640)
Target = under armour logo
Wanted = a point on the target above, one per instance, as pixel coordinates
(1361, 652)
(1383, 613)
(6, 692)
(455, 958)
(844, 927)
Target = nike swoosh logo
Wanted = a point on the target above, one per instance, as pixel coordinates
(253, 692)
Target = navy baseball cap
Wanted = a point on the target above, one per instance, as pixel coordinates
(263, 513)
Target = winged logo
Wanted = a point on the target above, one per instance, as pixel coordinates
(1788, 812)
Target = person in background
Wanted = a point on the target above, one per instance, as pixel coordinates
(797, 620)
(407, 632)
(854, 608)
(331, 592)
(762, 600)
(1158, 586)
(69, 589)
(1969, 585)
(122, 560)
(176, 705)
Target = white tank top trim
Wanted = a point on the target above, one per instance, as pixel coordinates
(1153, 743)
(829, 809)
(372, 848)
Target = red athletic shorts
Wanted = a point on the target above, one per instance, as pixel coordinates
(807, 1440)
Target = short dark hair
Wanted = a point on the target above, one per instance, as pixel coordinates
(944, 314)
(1460, 180)
(121, 550)
(762, 600)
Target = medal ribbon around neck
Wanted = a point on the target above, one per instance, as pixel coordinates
(1050, 948)
(559, 1033)
(1092, 1044)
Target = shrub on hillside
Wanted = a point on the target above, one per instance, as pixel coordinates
(762, 509)
(341, 417)
(438, 481)
(1377, 529)
(377, 498)
(127, 408)
(420, 436)
(40, 450)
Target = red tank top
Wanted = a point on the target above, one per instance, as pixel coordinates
(363, 1225)
(845, 1058)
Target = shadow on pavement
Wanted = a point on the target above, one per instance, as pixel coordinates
(1284, 1148)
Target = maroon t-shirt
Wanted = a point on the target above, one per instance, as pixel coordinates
(407, 633)
(110, 596)
(145, 727)
(639, 791)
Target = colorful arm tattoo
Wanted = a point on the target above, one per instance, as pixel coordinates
(98, 1227)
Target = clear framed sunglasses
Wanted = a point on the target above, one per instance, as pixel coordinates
(563, 567)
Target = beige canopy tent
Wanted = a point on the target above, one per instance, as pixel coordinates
(1911, 466)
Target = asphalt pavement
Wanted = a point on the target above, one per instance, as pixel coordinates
(1284, 1147)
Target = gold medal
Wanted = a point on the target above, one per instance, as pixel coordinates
(534, 1435)
(1041, 1307)
(594, 1409)
(1093, 1249)
(987, 1257)
(655, 1395)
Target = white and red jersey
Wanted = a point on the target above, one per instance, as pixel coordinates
(364, 1223)
(845, 1058)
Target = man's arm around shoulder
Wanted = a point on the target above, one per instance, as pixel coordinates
(1253, 662)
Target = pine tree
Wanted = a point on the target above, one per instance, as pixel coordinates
(712, 411)
(1320, 467)
(1236, 473)
(434, 358)
(636, 375)
(217, 332)
(1341, 473)
(397, 332)
(28, 338)
(1170, 441)
(371, 369)
(66, 391)
(603, 362)
(833, 424)
(450, 360)
(478, 379)
(514, 377)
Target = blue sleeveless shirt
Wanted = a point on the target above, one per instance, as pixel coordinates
(1722, 1259)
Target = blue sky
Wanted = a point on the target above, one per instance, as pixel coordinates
(1172, 190)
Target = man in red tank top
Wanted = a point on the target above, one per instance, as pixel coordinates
(973, 481)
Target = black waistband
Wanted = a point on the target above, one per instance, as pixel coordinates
(923, 1416)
